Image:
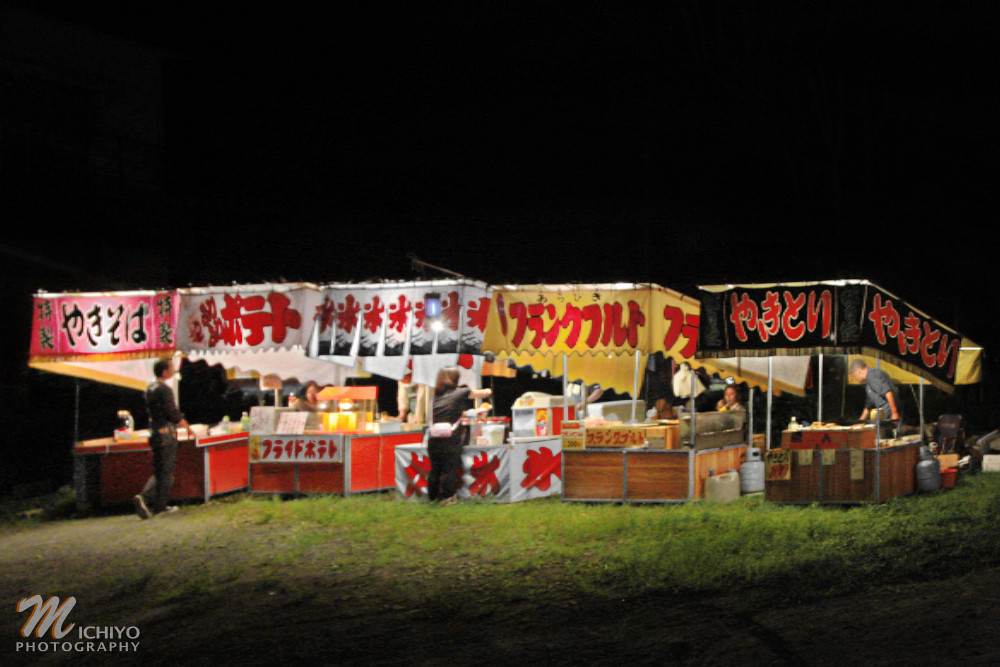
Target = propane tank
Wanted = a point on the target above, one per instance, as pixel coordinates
(928, 472)
(752, 472)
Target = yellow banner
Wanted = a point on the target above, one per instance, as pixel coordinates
(553, 320)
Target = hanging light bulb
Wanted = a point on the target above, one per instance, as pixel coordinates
(433, 311)
(432, 304)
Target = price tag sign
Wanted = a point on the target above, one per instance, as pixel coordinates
(857, 465)
(778, 465)
(292, 422)
(262, 420)
(573, 434)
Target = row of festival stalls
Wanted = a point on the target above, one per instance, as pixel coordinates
(600, 334)
(596, 333)
(837, 460)
(274, 332)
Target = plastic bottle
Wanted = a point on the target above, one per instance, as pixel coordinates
(224, 426)
(752, 472)
(723, 488)
(794, 424)
(245, 422)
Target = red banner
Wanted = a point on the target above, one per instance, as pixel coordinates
(90, 327)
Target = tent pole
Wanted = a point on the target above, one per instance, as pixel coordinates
(878, 446)
(635, 384)
(566, 390)
(770, 394)
(921, 411)
(76, 414)
(878, 414)
(819, 412)
(693, 381)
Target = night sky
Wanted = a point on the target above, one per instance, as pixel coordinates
(698, 143)
(573, 141)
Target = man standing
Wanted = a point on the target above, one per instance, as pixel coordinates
(164, 418)
(880, 393)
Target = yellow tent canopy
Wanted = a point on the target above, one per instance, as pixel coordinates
(595, 330)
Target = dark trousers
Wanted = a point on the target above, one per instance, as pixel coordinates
(446, 468)
(157, 490)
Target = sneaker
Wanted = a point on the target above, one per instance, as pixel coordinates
(451, 500)
(140, 507)
(170, 509)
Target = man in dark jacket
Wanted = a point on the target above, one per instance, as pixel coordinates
(164, 418)
(880, 392)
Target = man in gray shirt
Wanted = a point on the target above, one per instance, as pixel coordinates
(880, 392)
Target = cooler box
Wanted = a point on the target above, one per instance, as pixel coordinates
(539, 415)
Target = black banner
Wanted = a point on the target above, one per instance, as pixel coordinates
(755, 318)
(893, 326)
(834, 318)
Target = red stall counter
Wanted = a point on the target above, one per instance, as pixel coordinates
(338, 463)
(110, 472)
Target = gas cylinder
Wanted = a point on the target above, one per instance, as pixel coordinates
(928, 472)
(752, 472)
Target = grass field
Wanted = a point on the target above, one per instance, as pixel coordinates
(604, 549)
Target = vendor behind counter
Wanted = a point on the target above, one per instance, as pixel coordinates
(704, 400)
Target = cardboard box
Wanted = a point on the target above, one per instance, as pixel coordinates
(863, 438)
(991, 463)
(656, 437)
(947, 460)
(663, 436)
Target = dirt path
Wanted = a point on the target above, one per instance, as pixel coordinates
(150, 575)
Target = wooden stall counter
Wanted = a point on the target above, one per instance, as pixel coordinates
(639, 463)
(836, 475)
(831, 437)
(110, 472)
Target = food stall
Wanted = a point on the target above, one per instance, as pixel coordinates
(411, 330)
(398, 330)
(340, 448)
(835, 462)
(602, 334)
(115, 337)
(346, 446)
